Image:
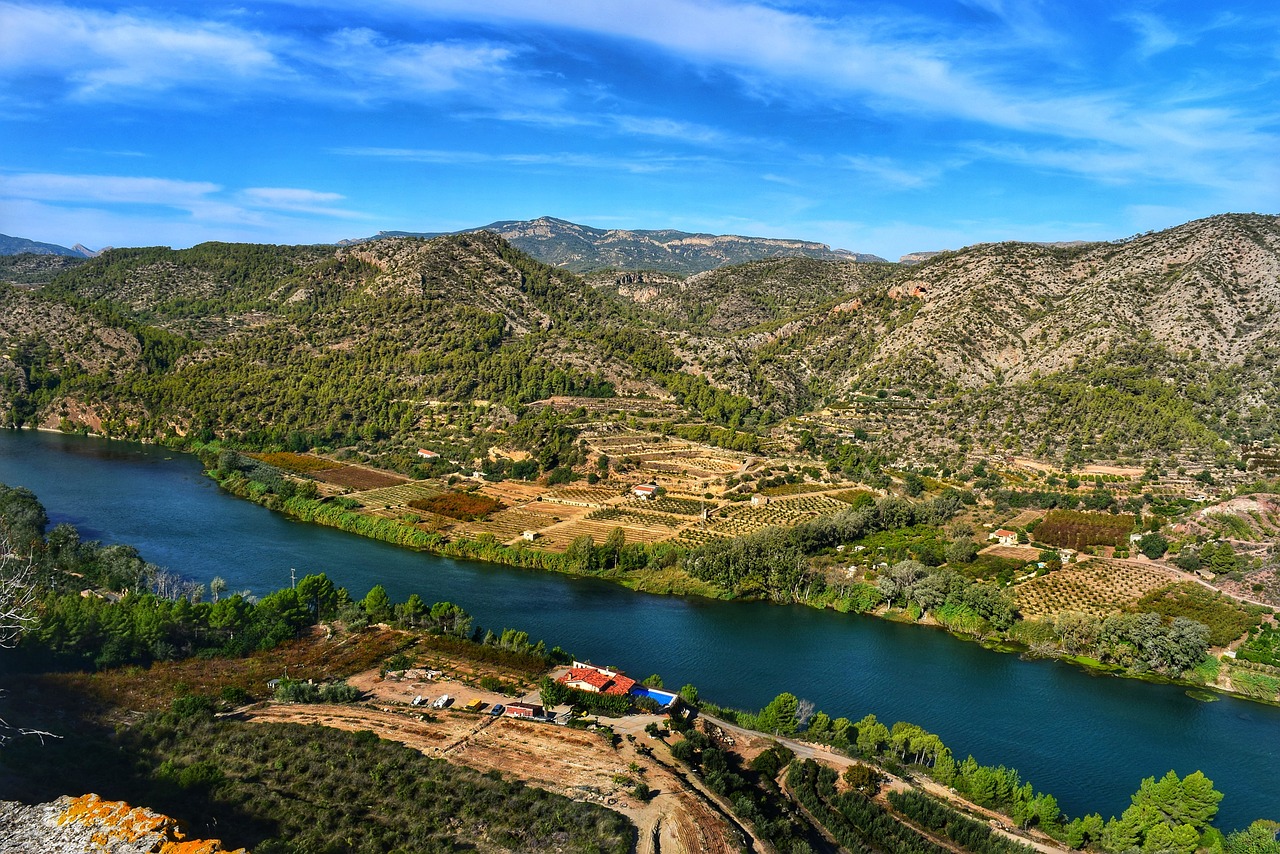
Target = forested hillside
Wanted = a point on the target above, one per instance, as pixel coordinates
(1160, 345)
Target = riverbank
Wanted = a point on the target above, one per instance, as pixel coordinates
(666, 580)
(669, 578)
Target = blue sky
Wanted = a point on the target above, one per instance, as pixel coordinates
(876, 127)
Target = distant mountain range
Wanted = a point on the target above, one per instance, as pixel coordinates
(23, 246)
(582, 248)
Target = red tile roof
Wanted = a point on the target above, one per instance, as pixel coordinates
(602, 682)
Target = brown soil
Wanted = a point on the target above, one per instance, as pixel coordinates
(579, 764)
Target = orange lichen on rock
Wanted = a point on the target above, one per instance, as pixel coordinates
(115, 822)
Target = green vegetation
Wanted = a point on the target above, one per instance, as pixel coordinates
(1262, 646)
(856, 822)
(465, 506)
(1226, 618)
(1076, 530)
(283, 788)
(973, 836)
(752, 790)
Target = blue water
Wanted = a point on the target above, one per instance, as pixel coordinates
(1088, 740)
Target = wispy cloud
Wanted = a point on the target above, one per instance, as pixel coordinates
(99, 54)
(297, 200)
(106, 188)
(201, 200)
(1155, 36)
(904, 71)
(884, 171)
(112, 56)
(642, 162)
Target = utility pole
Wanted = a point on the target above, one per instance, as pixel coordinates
(293, 578)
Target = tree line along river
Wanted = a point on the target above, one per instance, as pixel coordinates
(1088, 740)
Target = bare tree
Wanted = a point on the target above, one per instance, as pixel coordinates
(804, 711)
(17, 593)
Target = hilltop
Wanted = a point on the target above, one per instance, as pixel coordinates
(582, 248)
(1161, 345)
(23, 246)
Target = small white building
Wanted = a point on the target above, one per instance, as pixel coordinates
(529, 536)
(428, 455)
(1005, 537)
(647, 491)
(759, 500)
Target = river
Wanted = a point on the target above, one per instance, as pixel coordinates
(1088, 740)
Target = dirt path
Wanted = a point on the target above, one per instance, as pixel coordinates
(826, 756)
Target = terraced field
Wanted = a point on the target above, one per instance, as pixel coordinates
(593, 495)
(296, 463)
(512, 492)
(1096, 586)
(698, 464)
(627, 517)
(560, 537)
(677, 506)
(358, 478)
(506, 524)
(401, 494)
(744, 519)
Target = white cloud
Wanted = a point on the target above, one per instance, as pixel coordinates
(101, 55)
(106, 188)
(297, 200)
(884, 171)
(914, 69)
(1154, 35)
(130, 202)
(637, 163)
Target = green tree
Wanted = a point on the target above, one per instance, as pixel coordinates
(1153, 545)
(319, 594)
(377, 604)
(779, 717)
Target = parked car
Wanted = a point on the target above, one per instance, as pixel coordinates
(497, 710)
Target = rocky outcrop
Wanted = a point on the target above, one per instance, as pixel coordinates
(90, 824)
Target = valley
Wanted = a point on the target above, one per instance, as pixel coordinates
(1064, 452)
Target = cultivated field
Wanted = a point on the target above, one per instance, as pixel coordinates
(559, 537)
(593, 496)
(399, 495)
(1096, 586)
(296, 463)
(506, 525)
(743, 519)
(358, 478)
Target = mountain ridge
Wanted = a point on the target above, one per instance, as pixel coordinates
(10, 245)
(582, 248)
(1161, 342)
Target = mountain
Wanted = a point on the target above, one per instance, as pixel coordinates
(581, 248)
(1163, 345)
(21, 245)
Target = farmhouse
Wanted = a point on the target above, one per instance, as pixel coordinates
(529, 536)
(1005, 537)
(428, 455)
(597, 680)
(647, 491)
(524, 710)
